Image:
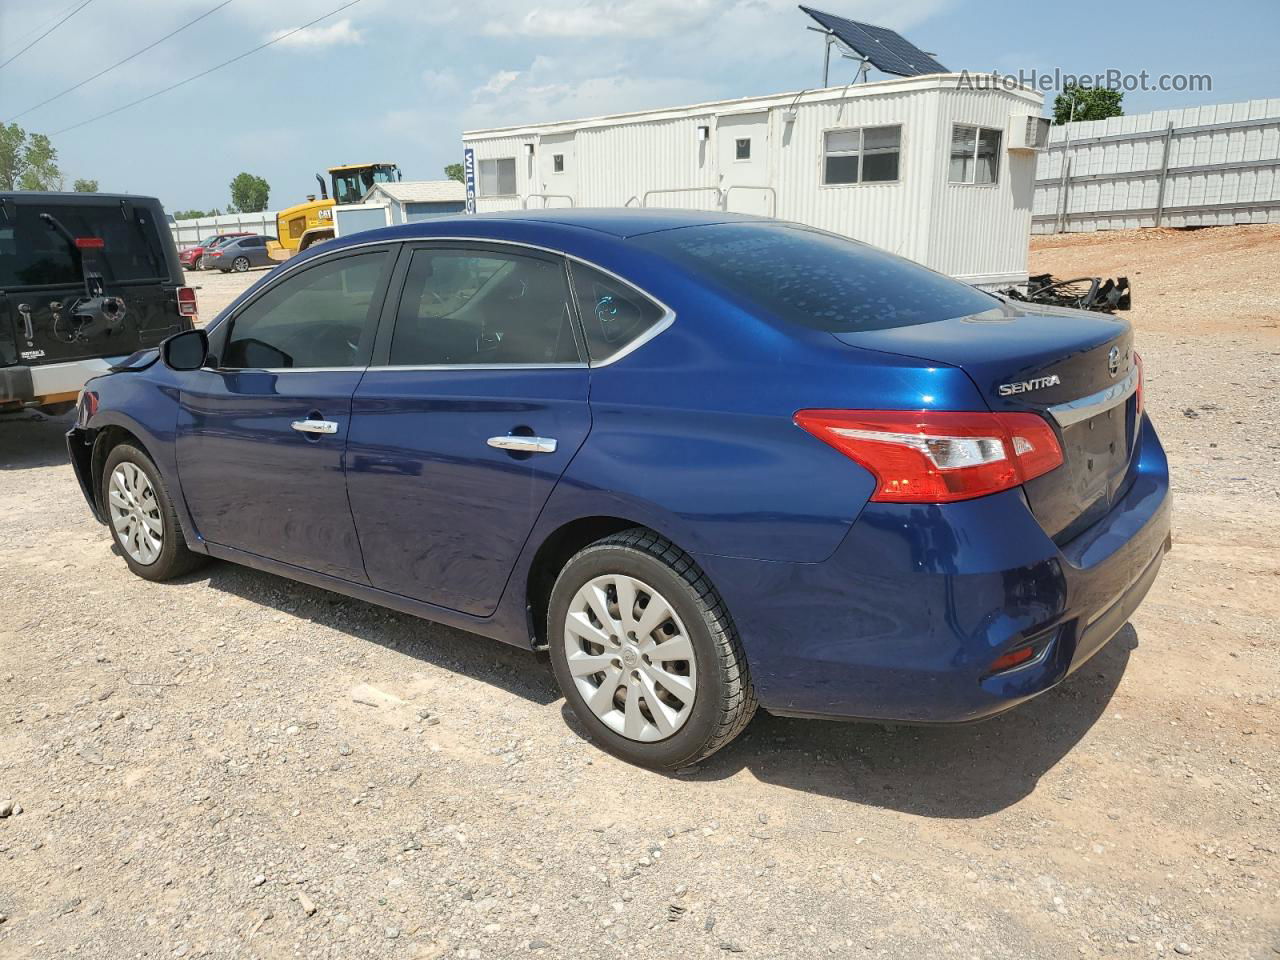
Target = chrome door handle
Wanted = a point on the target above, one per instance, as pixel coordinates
(524, 444)
(315, 426)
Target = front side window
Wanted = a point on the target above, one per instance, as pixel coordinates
(322, 317)
(468, 308)
(975, 154)
(614, 315)
(497, 177)
(861, 155)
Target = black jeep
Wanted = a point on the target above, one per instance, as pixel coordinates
(85, 280)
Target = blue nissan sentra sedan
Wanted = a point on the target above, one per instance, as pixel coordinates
(706, 462)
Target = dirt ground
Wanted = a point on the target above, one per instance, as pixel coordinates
(235, 765)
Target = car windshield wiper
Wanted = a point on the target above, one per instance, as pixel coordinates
(89, 272)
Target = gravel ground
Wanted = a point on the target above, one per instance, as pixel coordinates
(238, 766)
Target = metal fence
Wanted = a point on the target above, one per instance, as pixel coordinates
(1200, 166)
(186, 232)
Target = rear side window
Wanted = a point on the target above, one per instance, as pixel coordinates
(469, 308)
(614, 315)
(32, 253)
(816, 279)
(321, 317)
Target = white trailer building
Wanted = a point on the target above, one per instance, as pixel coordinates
(931, 167)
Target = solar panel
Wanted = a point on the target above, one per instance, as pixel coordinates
(887, 51)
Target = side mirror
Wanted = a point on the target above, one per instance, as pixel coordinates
(186, 351)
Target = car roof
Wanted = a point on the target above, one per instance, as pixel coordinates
(554, 225)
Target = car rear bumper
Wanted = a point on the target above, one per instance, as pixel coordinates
(50, 382)
(904, 621)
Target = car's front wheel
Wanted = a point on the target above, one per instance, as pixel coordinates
(646, 653)
(141, 516)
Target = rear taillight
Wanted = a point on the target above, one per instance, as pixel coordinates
(927, 457)
(1137, 362)
(187, 302)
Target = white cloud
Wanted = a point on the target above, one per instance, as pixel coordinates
(336, 34)
(440, 81)
(595, 18)
(497, 83)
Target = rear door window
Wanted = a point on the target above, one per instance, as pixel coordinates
(614, 314)
(483, 308)
(32, 253)
(817, 279)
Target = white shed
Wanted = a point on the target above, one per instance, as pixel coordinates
(934, 168)
(404, 201)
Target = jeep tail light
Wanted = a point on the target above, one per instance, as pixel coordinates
(1137, 362)
(927, 457)
(187, 302)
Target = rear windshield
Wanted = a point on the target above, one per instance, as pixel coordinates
(816, 279)
(34, 254)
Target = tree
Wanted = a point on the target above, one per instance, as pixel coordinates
(195, 214)
(85, 186)
(27, 161)
(454, 172)
(1085, 103)
(248, 194)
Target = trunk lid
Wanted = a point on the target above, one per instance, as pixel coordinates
(1072, 367)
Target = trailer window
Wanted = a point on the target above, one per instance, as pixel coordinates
(861, 155)
(742, 149)
(557, 163)
(816, 279)
(975, 154)
(498, 177)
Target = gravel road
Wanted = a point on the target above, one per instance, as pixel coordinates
(235, 765)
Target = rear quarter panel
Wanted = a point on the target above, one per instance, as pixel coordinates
(693, 433)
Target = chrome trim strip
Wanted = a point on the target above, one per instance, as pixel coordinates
(410, 367)
(1074, 411)
(668, 318)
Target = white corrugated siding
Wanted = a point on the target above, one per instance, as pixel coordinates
(980, 230)
(976, 233)
(893, 216)
(1241, 195)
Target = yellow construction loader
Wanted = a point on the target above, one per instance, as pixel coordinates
(311, 222)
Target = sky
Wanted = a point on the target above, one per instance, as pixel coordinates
(399, 80)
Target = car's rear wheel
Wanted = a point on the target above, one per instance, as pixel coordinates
(141, 516)
(240, 264)
(646, 653)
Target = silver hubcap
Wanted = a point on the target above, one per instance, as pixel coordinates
(630, 657)
(135, 513)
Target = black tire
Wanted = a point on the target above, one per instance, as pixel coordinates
(240, 264)
(174, 559)
(724, 700)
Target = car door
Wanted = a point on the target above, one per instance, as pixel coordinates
(473, 407)
(261, 433)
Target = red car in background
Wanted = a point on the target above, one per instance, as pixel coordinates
(191, 256)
